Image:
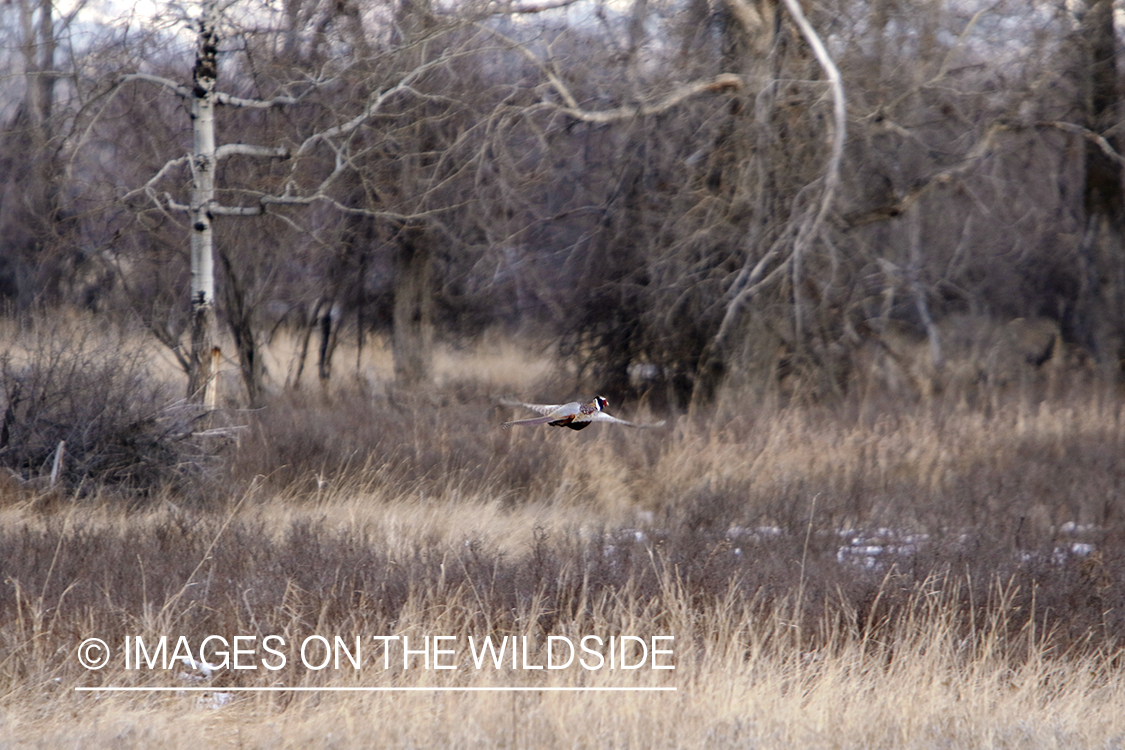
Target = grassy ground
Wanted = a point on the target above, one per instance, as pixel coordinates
(894, 574)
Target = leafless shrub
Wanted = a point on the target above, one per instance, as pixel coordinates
(83, 410)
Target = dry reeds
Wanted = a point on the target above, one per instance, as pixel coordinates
(910, 575)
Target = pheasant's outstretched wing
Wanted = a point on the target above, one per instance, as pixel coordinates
(536, 420)
(541, 408)
(601, 416)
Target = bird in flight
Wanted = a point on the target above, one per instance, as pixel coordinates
(575, 415)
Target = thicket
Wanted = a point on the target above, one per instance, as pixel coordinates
(855, 504)
(82, 412)
(639, 185)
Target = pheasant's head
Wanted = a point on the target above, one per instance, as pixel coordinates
(601, 402)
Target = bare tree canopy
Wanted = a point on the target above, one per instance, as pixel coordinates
(750, 191)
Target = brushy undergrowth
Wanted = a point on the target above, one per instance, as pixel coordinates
(83, 410)
(900, 574)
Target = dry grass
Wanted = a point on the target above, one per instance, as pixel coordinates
(897, 575)
(491, 361)
(746, 674)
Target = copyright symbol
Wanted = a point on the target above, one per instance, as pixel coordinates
(93, 653)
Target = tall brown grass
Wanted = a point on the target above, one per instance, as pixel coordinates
(895, 574)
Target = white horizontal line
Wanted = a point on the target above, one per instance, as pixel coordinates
(281, 689)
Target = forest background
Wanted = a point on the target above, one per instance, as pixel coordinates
(267, 269)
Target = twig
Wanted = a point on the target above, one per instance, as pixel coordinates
(57, 464)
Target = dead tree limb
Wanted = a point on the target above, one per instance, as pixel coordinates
(810, 230)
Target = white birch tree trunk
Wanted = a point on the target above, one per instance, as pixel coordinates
(201, 381)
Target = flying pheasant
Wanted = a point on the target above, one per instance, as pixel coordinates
(575, 415)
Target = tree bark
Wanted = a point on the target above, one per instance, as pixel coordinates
(329, 328)
(203, 335)
(715, 361)
(1100, 316)
(29, 165)
(413, 336)
(239, 315)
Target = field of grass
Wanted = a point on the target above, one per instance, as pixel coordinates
(890, 574)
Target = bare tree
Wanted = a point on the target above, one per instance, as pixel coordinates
(338, 138)
(391, 148)
(776, 231)
(1102, 293)
(204, 75)
(33, 140)
(202, 163)
(680, 192)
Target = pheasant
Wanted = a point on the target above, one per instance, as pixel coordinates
(575, 415)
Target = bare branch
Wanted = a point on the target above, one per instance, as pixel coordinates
(177, 88)
(1090, 135)
(220, 98)
(218, 210)
(173, 343)
(277, 101)
(373, 105)
(944, 68)
(754, 284)
(173, 204)
(148, 186)
(304, 200)
(746, 15)
(516, 8)
(810, 230)
(942, 177)
(971, 160)
(835, 83)
(719, 84)
(556, 82)
(246, 149)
